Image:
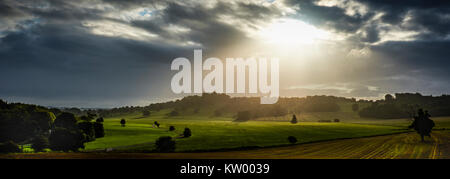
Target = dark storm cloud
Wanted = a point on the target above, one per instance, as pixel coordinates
(331, 17)
(54, 59)
(429, 18)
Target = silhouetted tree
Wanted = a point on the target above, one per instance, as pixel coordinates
(171, 128)
(100, 119)
(156, 124)
(294, 119)
(165, 144)
(62, 139)
(422, 124)
(187, 132)
(66, 120)
(337, 120)
(355, 107)
(292, 139)
(388, 98)
(39, 143)
(88, 129)
(44, 121)
(122, 122)
(99, 130)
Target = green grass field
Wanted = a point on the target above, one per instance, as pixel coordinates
(212, 133)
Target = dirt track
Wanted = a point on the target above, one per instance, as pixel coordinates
(401, 146)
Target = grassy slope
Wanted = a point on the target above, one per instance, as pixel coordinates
(210, 133)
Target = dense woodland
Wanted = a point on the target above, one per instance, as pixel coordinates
(45, 128)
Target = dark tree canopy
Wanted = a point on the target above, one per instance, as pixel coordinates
(171, 128)
(39, 143)
(88, 129)
(100, 119)
(292, 139)
(9, 147)
(294, 119)
(66, 120)
(388, 98)
(123, 122)
(62, 139)
(165, 144)
(99, 130)
(187, 132)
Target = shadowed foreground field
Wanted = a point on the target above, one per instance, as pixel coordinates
(396, 146)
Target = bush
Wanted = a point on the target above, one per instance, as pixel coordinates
(187, 132)
(294, 119)
(9, 147)
(156, 124)
(62, 139)
(292, 139)
(39, 143)
(337, 120)
(123, 122)
(165, 144)
(99, 130)
(171, 128)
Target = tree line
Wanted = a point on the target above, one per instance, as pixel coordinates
(45, 128)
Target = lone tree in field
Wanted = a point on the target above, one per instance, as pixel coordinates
(187, 132)
(171, 128)
(292, 139)
(122, 122)
(165, 144)
(422, 124)
(355, 107)
(337, 120)
(294, 119)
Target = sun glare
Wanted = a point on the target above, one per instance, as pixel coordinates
(290, 32)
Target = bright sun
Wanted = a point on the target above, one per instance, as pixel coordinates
(290, 32)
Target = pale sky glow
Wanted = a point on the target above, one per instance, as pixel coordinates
(286, 33)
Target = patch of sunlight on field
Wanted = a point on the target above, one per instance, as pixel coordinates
(211, 133)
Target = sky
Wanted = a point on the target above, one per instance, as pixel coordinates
(110, 53)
